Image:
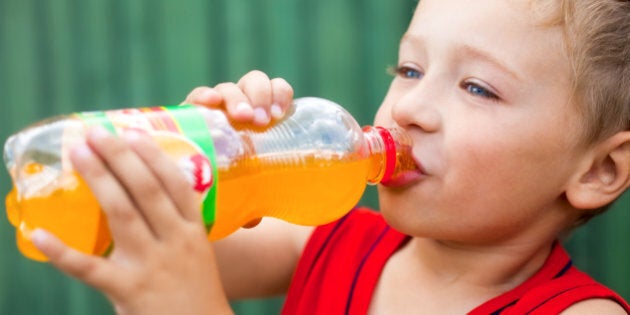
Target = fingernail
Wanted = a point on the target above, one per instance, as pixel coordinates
(276, 111)
(132, 135)
(260, 116)
(38, 237)
(244, 109)
(82, 151)
(98, 132)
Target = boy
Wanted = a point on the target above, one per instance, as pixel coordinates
(519, 113)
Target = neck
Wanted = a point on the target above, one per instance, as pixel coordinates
(497, 265)
(490, 269)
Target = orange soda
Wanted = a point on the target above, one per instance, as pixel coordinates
(309, 168)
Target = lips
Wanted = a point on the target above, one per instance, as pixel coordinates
(407, 168)
(407, 172)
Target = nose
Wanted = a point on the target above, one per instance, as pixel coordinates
(417, 107)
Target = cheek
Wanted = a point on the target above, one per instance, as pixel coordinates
(507, 172)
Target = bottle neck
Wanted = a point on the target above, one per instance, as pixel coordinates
(390, 154)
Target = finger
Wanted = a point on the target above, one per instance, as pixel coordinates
(193, 94)
(282, 97)
(93, 270)
(124, 222)
(236, 103)
(205, 96)
(179, 190)
(152, 203)
(256, 85)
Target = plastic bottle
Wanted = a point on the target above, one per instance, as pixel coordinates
(310, 168)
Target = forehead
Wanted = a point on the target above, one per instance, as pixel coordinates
(511, 31)
(477, 20)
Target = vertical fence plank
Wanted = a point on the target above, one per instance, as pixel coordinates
(70, 55)
(600, 247)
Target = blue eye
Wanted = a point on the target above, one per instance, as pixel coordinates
(408, 72)
(480, 91)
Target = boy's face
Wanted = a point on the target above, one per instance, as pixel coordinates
(484, 91)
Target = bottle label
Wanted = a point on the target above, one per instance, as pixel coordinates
(182, 132)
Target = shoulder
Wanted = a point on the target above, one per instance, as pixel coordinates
(561, 288)
(595, 306)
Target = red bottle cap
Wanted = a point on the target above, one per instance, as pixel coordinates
(390, 153)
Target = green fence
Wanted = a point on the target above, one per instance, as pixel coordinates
(70, 55)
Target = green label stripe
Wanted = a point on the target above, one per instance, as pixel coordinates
(190, 123)
(194, 127)
(97, 118)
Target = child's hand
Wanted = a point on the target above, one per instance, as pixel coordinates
(162, 262)
(253, 99)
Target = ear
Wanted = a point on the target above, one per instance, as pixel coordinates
(605, 175)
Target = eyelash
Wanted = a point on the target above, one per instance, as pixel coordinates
(403, 71)
(477, 90)
(470, 87)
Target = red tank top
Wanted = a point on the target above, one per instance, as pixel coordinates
(342, 261)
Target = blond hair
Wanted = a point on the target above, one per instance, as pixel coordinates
(597, 39)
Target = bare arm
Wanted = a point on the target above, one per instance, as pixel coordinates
(259, 262)
(595, 306)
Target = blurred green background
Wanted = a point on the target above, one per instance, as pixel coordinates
(63, 56)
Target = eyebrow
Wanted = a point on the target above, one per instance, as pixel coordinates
(470, 51)
(467, 51)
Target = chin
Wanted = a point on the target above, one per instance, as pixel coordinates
(400, 215)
